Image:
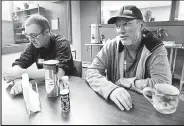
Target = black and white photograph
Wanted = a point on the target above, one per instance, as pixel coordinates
(92, 62)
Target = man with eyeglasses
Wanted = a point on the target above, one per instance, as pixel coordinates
(133, 60)
(44, 45)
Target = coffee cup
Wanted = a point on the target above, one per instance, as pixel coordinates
(164, 99)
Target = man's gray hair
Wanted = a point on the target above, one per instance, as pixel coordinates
(39, 20)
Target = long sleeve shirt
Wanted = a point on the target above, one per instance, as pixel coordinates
(59, 49)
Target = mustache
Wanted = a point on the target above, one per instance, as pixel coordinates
(123, 36)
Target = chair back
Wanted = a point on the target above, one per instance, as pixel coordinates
(181, 85)
(78, 66)
(182, 78)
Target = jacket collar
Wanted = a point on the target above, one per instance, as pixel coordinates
(151, 43)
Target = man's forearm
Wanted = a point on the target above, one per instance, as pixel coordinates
(38, 74)
(18, 69)
(149, 82)
(140, 84)
(99, 83)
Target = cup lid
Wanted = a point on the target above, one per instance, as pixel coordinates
(167, 89)
(50, 62)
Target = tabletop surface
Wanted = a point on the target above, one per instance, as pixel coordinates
(87, 107)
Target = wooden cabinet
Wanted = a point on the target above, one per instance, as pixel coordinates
(19, 18)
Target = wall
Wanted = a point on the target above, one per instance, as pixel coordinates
(88, 11)
(7, 33)
(54, 11)
(7, 26)
(76, 36)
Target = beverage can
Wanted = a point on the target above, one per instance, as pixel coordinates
(65, 100)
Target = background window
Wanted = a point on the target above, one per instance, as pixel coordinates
(181, 11)
(6, 10)
(151, 10)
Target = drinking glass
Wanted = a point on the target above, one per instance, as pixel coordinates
(165, 97)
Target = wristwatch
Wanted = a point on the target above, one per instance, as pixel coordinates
(130, 86)
(133, 84)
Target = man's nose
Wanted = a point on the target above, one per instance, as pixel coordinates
(32, 40)
(122, 29)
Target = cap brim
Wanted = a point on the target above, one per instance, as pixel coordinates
(113, 19)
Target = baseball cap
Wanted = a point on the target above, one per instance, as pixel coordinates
(128, 11)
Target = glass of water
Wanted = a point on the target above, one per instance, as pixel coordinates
(181, 85)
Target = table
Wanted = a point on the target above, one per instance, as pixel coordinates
(90, 47)
(87, 107)
(173, 51)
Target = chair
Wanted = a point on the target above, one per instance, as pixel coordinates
(78, 66)
(181, 84)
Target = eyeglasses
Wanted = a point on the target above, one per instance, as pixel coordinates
(33, 36)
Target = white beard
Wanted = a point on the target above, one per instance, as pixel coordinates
(129, 41)
(124, 41)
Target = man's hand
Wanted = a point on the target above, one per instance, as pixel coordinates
(121, 98)
(61, 72)
(17, 88)
(13, 73)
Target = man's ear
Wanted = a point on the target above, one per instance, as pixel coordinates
(142, 25)
(47, 31)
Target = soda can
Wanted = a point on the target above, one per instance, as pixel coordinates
(65, 100)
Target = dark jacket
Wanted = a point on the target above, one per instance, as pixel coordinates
(58, 49)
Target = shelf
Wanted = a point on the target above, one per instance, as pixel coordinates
(95, 44)
(18, 25)
(19, 28)
(18, 22)
(28, 15)
(19, 34)
(21, 41)
(19, 11)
